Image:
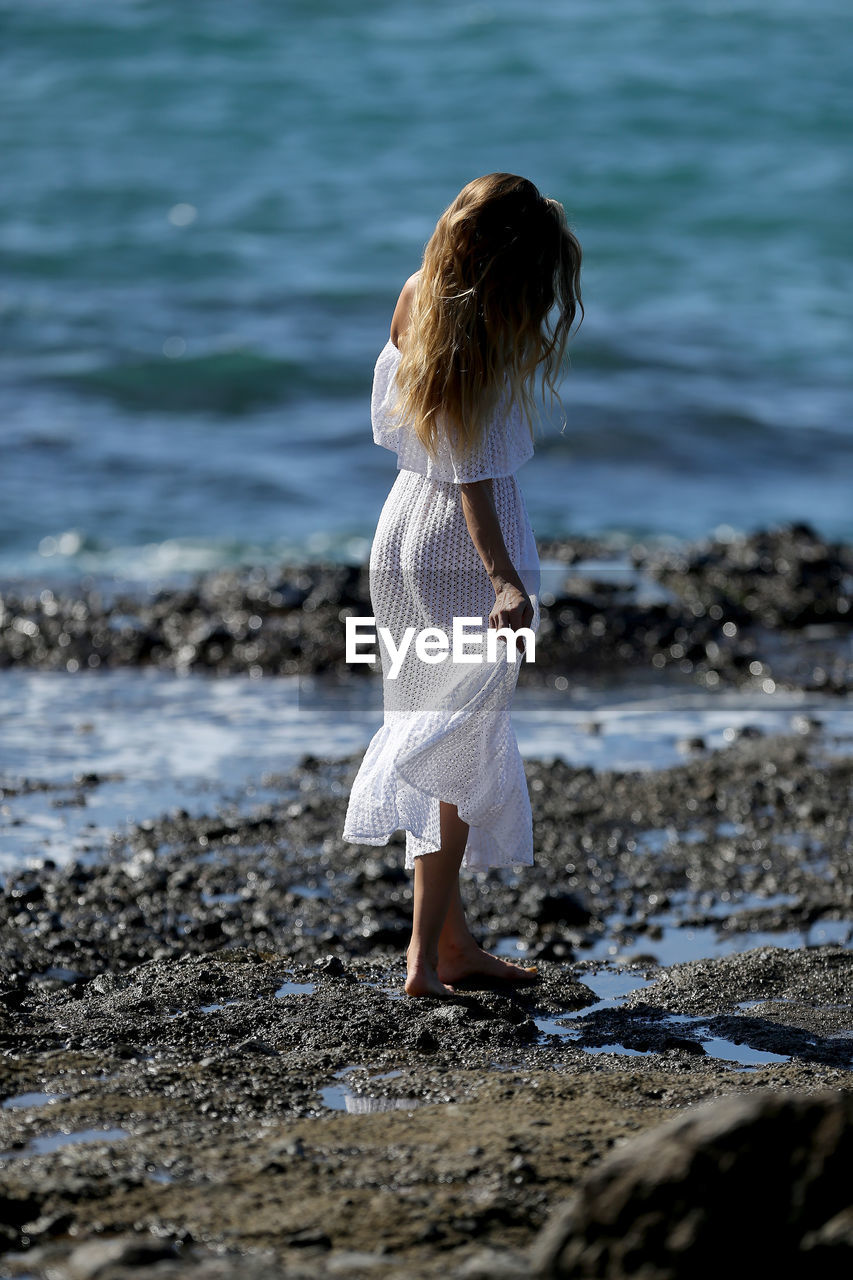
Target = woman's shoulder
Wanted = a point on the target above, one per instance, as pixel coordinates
(400, 318)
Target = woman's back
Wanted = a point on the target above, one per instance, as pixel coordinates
(505, 445)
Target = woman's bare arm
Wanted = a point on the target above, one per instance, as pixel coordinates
(512, 607)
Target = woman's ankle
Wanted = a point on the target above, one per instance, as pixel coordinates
(451, 948)
(420, 957)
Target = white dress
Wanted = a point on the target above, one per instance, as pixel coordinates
(447, 733)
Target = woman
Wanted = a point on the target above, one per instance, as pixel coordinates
(487, 316)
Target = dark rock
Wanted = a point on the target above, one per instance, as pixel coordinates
(681, 1042)
(14, 1211)
(551, 949)
(50, 1224)
(745, 1185)
(746, 731)
(555, 908)
(256, 1046)
(387, 935)
(13, 997)
(309, 1239)
(768, 584)
(386, 872)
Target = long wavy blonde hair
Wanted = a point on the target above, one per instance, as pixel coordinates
(493, 306)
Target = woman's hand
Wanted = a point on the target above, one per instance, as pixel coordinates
(512, 608)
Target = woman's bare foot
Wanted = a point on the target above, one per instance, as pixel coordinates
(422, 980)
(470, 962)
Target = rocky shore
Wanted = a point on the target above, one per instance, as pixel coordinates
(208, 1065)
(773, 606)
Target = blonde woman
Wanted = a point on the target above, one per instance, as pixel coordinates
(484, 321)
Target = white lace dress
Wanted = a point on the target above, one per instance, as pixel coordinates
(447, 733)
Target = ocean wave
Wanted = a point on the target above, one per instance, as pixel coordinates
(229, 383)
(70, 556)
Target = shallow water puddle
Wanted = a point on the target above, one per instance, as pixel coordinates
(621, 1049)
(309, 890)
(32, 1100)
(511, 946)
(748, 902)
(717, 1047)
(339, 1098)
(612, 988)
(296, 989)
(680, 942)
(742, 1053)
(203, 1008)
(49, 1142)
(393, 993)
(656, 839)
(840, 931)
(61, 973)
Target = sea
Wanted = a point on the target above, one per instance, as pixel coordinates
(206, 215)
(207, 212)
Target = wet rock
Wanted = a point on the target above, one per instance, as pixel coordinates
(723, 612)
(453, 1014)
(494, 1264)
(554, 908)
(15, 1211)
(98, 1257)
(787, 575)
(749, 1182)
(49, 1224)
(156, 1032)
(255, 1046)
(822, 974)
(309, 1239)
(745, 731)
(681, 1042)
(765, 805)
(551, 949)
(387, 935)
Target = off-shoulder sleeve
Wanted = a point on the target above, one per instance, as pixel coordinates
(506, 444)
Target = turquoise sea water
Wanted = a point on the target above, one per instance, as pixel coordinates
(208, 210)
